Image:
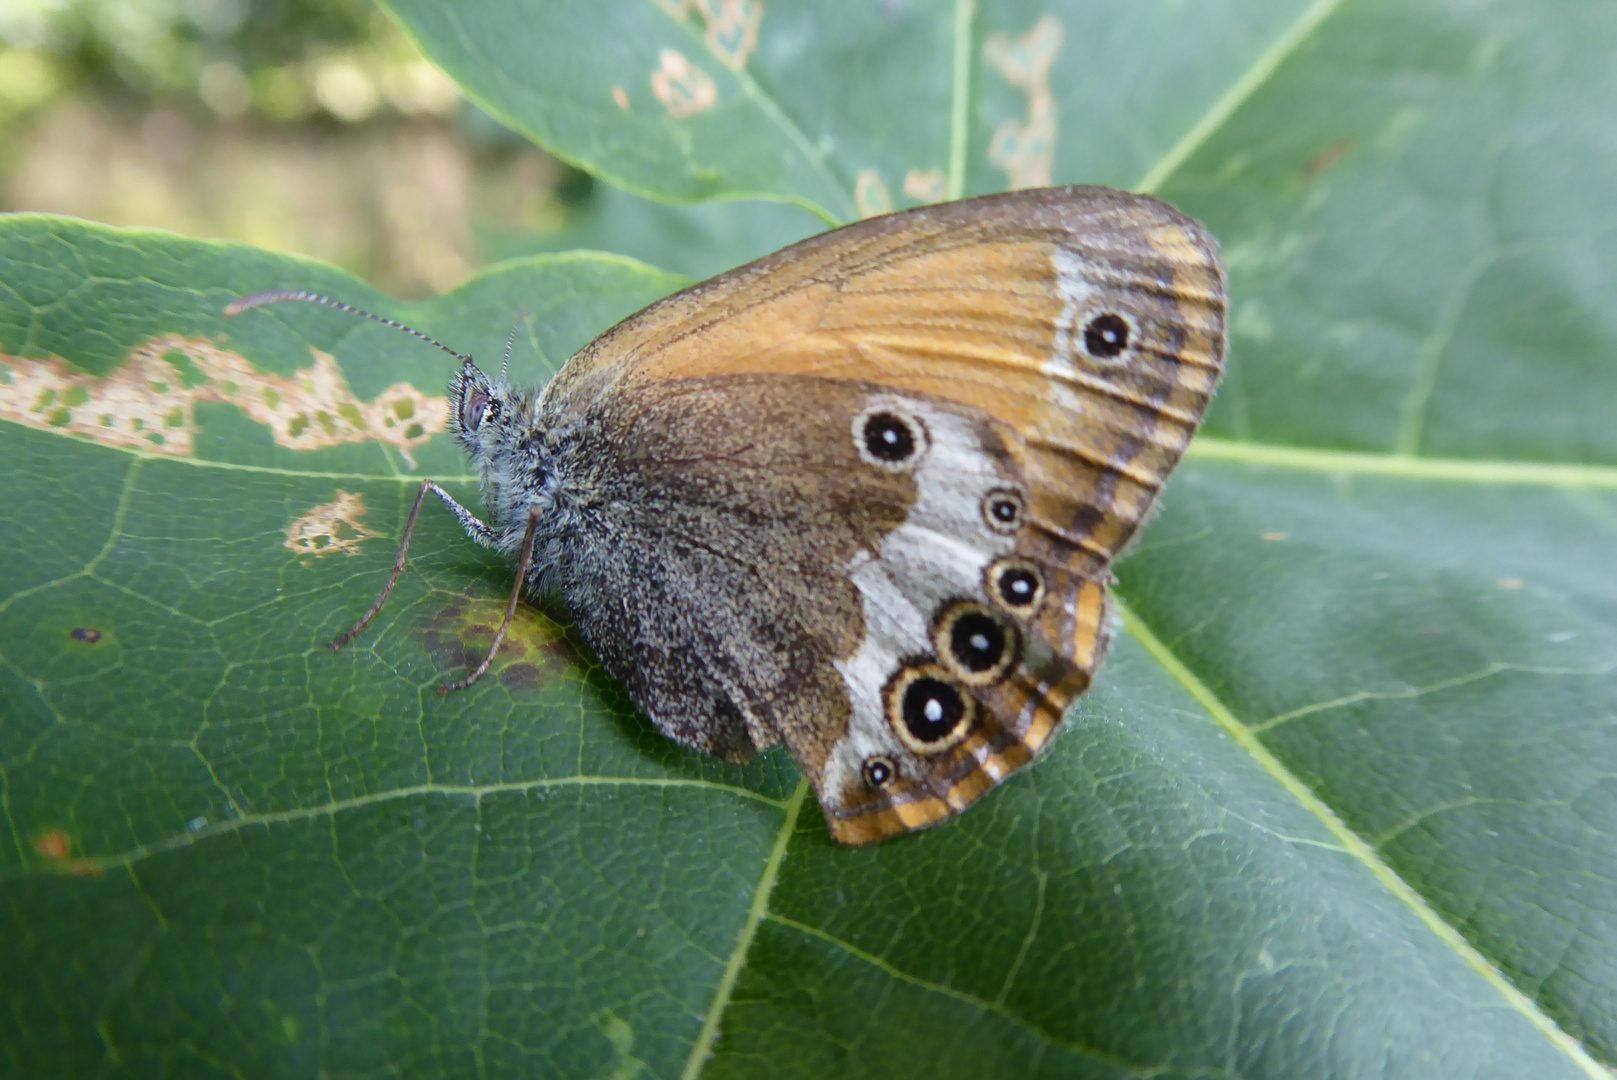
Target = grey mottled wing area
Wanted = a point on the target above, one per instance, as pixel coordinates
(713, 525)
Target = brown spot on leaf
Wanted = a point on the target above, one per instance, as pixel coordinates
(870, 194)
(149, 402)
(1327, 157)
(925, 186)
(57, 846)
(521, 677)
(682, 87)
(330, 527)
(534, 649)
(88, 635)
(732, 26)
(1025, 147)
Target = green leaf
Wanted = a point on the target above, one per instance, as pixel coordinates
(1340, 805)
(698, 241)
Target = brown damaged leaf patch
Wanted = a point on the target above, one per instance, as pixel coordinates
(149, 402)
(535, 648)
(330, 527)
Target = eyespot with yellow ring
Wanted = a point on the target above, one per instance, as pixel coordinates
(977, 646)
(1015, 585)
(927, 708)
(1002, 510)
(878, 771)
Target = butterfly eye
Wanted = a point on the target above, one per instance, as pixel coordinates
(1016, 585)
(1106, 336)
(974, 645)
(927, 710)
(473, 410)
(1002, 509)
(888, 439)
(878, 772)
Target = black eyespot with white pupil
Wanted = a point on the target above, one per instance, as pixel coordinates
(977, 641)
(889, 438)
(932, 709)
(1018, 587)
(976, 646)
(1002, 510)
(878, 772)
(1106, 336)
(928, 710)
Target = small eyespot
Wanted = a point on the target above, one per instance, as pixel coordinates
(1016, 585)
(889, 439)
(1002, 509)
(878, 772)
(1106, 336)
(473, 408)
(976, 647)
(927, 710)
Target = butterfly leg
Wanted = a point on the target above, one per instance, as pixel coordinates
(523, 566)
(468, 521)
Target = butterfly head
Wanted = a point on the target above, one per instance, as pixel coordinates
(481, 412)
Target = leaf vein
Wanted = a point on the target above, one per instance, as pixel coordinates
(1243, 88)
(1407, 693)
(702, 1049)
(995, 1008)
(965, 19)
(1459, 470)
(101, 863)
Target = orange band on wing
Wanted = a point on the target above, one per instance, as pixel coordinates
(1089, 618)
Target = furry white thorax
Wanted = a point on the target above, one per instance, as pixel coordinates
(938, 554)
(513, 454)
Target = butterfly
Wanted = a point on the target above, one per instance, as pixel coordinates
(863, 496)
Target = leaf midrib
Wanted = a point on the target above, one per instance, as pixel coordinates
(1240, 90)
(1479, 471)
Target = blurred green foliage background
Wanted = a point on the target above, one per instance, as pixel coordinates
(306, 126)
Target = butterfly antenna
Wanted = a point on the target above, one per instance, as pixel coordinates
(263, 299)
(522, 317)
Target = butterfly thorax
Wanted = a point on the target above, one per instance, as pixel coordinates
(513, 450)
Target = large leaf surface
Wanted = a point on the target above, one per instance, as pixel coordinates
(1342, 802)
